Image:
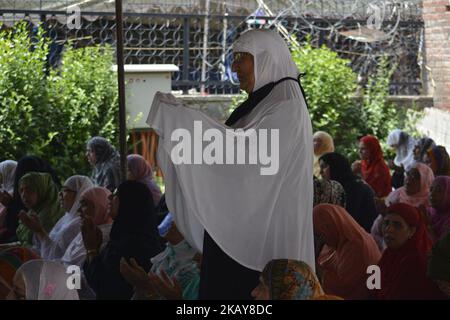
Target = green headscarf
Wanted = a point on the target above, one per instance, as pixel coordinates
(47, 206)
(439, 260)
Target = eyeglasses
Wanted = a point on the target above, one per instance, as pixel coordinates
(237, 57)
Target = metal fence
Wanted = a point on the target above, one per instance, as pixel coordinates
(179, 39)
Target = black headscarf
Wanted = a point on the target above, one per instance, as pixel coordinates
(24, 165)
(135, 227)
(340, 169)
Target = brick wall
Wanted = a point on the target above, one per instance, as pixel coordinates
(436, 15)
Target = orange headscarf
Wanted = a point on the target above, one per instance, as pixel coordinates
(375, 170)
(349, 250)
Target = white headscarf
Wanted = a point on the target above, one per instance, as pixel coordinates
(67, 228)
(78, 184)
(253, 218)
(45, 280)
(8, 172)
(405, 148)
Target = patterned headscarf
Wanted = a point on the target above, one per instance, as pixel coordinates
(328, 191)
(291, 280)
(106, 171)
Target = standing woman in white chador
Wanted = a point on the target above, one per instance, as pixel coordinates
(238, 217)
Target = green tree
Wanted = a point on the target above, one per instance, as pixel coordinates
(53, 112)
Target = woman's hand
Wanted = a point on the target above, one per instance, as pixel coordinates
(5, 198)
(92, 236)
(136, 276)
(166, 287)
(32, 222)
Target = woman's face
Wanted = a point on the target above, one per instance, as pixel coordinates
(412, 182)
(243, 65)
(87, 208)
(364, 152)
(67, 198)
(324, 170)
(437, 195)
(317, 143)
(261, 292)
(113, 205)
(92, 158)
(396, 232)
(29, 196)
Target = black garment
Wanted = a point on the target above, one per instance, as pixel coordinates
(398, 179)
(360, 202)
(221, 277)
(24, 165)
(133, 235)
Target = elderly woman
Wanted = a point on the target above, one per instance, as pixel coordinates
(343, 252)
(53, 245)
(374, 169)
(404, 262)
(403, 144)
(323, 143)
(240, 229)
(105, 161)
(416, 189)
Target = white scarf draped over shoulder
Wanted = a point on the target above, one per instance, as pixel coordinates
(252, 217)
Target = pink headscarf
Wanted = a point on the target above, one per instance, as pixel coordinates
(99, 197)
(440, 215)
(349, 250)
(420, 198)
(143, 173)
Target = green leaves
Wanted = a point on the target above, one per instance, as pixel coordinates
(54, 112)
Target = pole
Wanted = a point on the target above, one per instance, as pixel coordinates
(121, 82)
(205, 48)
